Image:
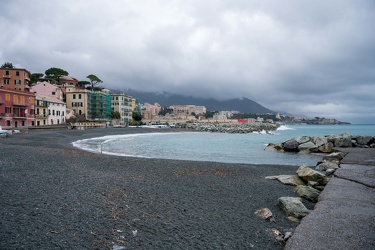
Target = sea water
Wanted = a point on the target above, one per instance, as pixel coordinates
(219, 147)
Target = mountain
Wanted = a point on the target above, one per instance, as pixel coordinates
(243, 105)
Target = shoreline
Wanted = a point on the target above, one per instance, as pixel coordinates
(58, 196)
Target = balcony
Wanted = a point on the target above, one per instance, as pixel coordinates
(41, 116)
(6, 76)
(25, 104)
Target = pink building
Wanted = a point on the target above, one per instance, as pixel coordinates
(48, 89)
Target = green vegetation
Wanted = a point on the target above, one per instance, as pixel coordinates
(55, 73)
(94, 80)
(7, 65)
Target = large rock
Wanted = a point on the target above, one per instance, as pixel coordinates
(308, 174)
(307, 192)
(364, 140)
(293, 206)
(336, 156)
(290, 146)
(308, 147)
(343, 142)
(302, 139)
(319, 140)
(287, 179)
(326, 148)
(327, 165)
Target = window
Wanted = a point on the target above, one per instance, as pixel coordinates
(17, 82)
(53, 93)
(7, 97)
(6, 81)
(17, 73)
(8, 110)
(62, 113)
(79, 96)
(53, 112)
(7, 73)
(74, 96)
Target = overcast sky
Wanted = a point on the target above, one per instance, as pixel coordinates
(315, 58)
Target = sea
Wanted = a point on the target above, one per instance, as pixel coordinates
(219, 147)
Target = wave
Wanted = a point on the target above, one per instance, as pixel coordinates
(283, 127)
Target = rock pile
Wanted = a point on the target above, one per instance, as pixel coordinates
(322, 144)
(229, 127)
(309, 184)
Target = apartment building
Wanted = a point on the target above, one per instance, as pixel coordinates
(94, 105)
(77, 100)
(151, 110)
(14, 79)
(48, 89)
(122, 103)
(100, 107)
(188, 109)
(49, 110)
(16, 108)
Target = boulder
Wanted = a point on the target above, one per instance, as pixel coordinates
(319, 140)
(302, 139)
(336, 156)
(293, 206)
(274, 147)
(364, 140)
(308, 147)
(287, 179)
(327, 165)
(343, 142)
(290, 146)
(307, 192)
(326, 148)
(308, 174)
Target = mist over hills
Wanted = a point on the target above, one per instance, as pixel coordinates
(243, 105)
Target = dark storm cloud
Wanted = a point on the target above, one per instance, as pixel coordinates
(305, 57)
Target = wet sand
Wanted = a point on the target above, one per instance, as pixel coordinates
(55, 196)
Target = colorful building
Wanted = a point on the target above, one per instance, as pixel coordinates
(16, 108)
(14, 79)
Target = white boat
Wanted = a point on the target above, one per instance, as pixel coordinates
(3, 133)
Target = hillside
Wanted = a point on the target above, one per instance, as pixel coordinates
(243, 105)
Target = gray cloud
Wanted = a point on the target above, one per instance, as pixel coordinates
(305, 57)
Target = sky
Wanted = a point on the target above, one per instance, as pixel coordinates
(313, 58)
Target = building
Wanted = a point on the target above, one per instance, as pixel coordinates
(68, 81)
(99, 108)
(14, 79)
(122, 103)
(188, 109)
(77, 100)
(48, 89)
(152, 111)
(16, 108)
(49, 110)
(93, 105)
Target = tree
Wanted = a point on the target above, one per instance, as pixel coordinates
(7, 65)
(35, 77)
(115, 115)
(83, 83)
(136, 116)
(55, 73)
(94, 80)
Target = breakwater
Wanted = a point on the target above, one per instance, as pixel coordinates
(229, 127)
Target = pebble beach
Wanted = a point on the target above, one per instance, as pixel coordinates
(55, 196)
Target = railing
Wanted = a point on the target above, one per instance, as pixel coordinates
(41, 116)
(21, 103)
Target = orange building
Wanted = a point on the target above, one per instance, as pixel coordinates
(16, 102)
(16, 108)
(14, 79)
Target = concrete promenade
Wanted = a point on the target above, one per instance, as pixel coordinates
(344, 217)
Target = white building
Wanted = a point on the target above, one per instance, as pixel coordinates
(122, 103)
(49, 110)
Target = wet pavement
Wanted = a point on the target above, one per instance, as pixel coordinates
(344, 217)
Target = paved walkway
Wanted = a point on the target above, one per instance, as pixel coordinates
(344, 217)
